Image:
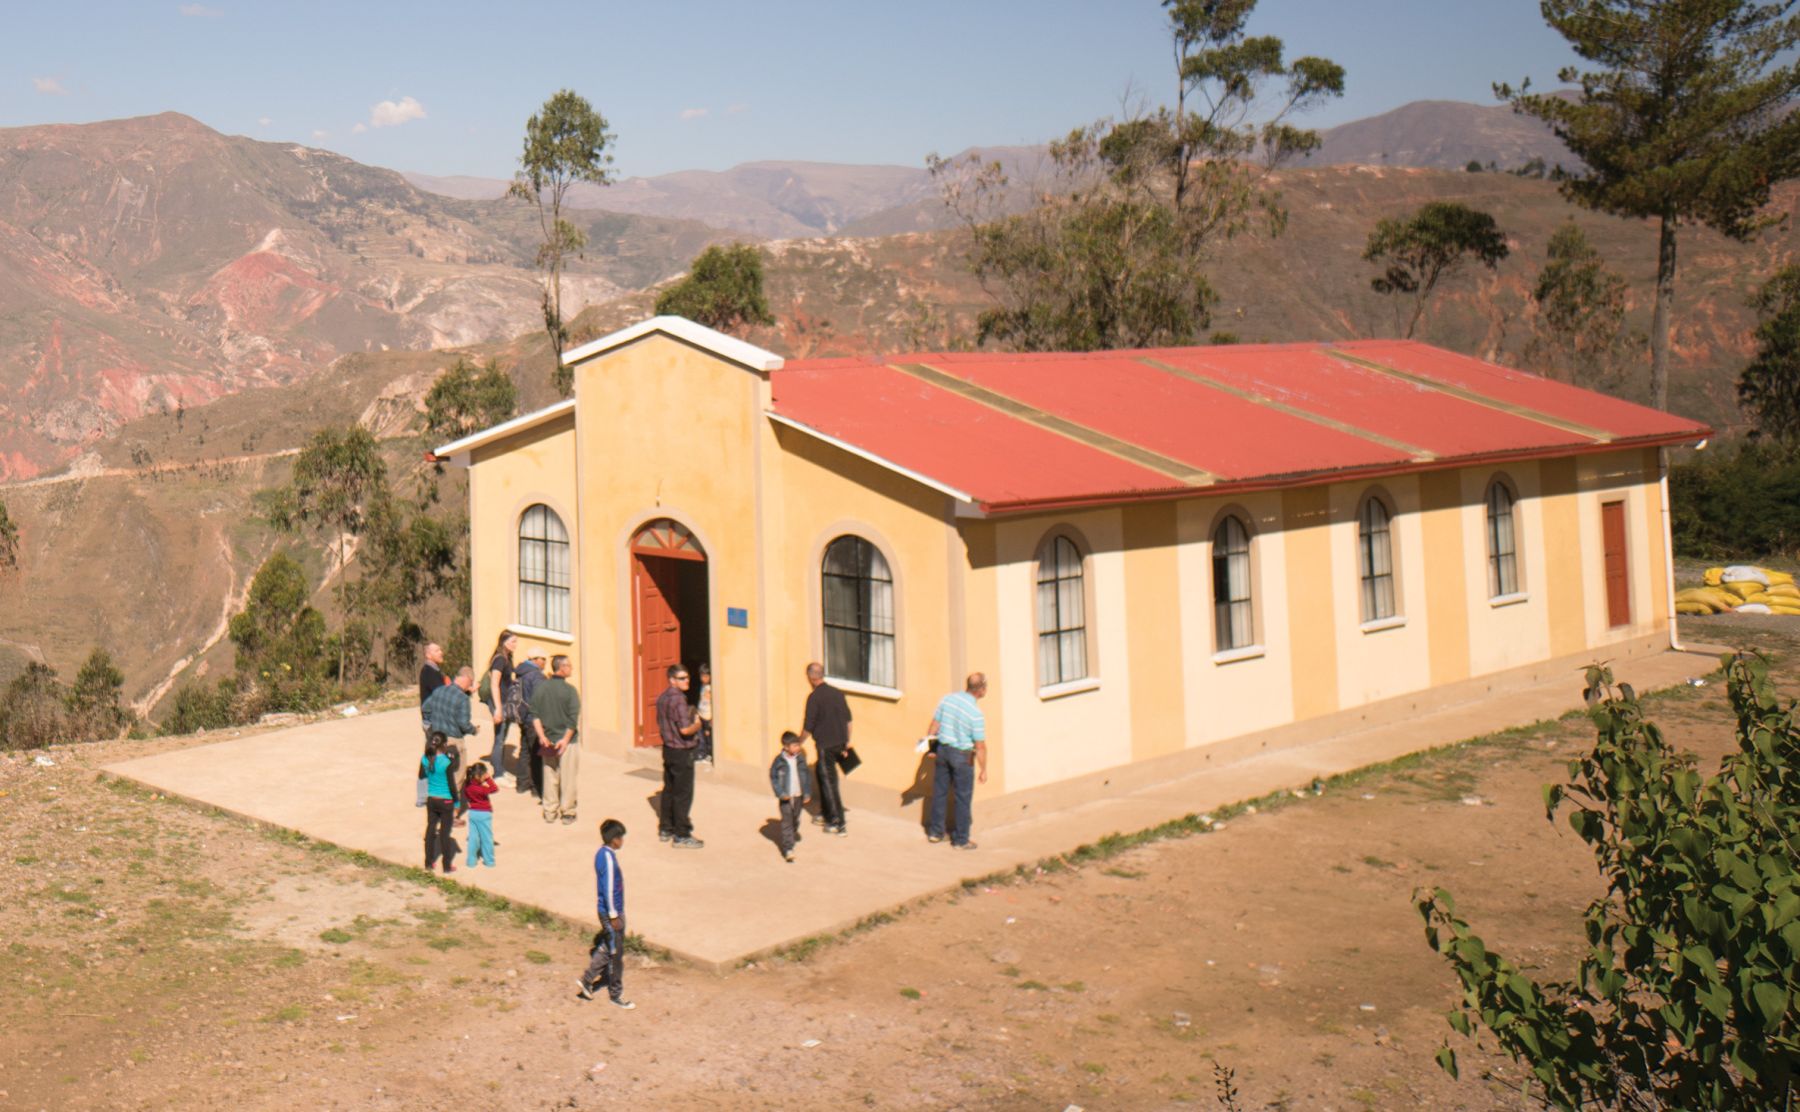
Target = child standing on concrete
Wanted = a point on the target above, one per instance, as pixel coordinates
(792, 781)
(478, 790)
(607, 965)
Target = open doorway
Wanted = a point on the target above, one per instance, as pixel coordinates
(670, 614)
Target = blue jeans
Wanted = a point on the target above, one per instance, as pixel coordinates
(481, 838)
(955, 776)
(498, 757)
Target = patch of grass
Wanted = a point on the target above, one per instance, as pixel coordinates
(1033, 986)
(535, 957)
(911, 993)
(1370, 860)
(289, 959)
(1074, 986)
(1123, 874)
(1094, 1068)
(444, 942)
(293, 1013)
(338, 937)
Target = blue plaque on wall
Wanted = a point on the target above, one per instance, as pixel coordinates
(737, 616)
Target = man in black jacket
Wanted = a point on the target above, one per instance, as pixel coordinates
(828, 724)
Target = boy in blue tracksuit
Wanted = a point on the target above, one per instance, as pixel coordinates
(793, 784)
(607, 965)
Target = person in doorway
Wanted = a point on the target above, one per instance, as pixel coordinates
(529, 771)
(438, 769)
(606, 965)
(678, 727)
(703, 709)
(961, 732)
(500, 691)
(556, 707)
(793, 785)
(828, 724)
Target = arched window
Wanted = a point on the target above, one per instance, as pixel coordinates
(1375, 559)
(1233, 624)
(543, 570)
(1061, 613)
(858, 590)
(1502, 541)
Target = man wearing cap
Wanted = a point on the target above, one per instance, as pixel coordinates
(531, 761)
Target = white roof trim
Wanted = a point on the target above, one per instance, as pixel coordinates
(461, 448)
(864, 453)
(727, 347)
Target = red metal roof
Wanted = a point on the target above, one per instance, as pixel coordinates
(1018, 432)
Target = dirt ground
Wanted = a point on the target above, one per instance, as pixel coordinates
(163, 956)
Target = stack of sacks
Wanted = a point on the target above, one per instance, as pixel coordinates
(1742, 588)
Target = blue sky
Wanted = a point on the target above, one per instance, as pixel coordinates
(445, 88)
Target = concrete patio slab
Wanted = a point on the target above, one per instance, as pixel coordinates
(351, 782)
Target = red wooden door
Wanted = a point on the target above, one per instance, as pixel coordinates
(659, 637)
(1618, 573)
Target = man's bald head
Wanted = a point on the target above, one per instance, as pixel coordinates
(977, 683)
(815, 673)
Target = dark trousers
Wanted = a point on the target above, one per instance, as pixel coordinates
(953, 788)
(791, 810)
(831, 793)
(704, 751)
(439, 813)
(606, 966)
(528, 772)
(678, 792)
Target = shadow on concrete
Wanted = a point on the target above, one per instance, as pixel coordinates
(919, 791)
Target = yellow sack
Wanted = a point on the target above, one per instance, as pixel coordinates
(1722, 599)
(1694, 608)
(1783, 590)
(1781, 577)
(1745, 590)
(1713, 577)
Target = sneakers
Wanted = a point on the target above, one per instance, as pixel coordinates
(966, 845)
(583, 989)
(689, 842)
(449, 868)
(548, 817)
(664, 836)
(622, 1004)
(838, 830)
(788, 856)
(568, 820)
(934, 839)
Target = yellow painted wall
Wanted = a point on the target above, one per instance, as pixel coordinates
(1378, 663)
(668, 430)
(535, 466)
(1223, 700)
(1307, 578)
(1444, 566)
(1566, 590)
(1085, 730)
(822, 493)
(1505, 636)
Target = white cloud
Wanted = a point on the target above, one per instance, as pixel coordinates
(49, 86)
(199, 11)
(264, 121)
(693, 113)
(737, 108)
(321, 133)
(359, 129)
(393, 113)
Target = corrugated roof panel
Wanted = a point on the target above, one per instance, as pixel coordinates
(1309, 378)
(1122, 397)
(994, 457)
(1621, 418)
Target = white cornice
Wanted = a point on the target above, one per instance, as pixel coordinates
(457, 451)
(725, 347)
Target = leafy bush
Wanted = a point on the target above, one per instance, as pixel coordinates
(93, 703)
(31, 709)
(200, 707)
(1688, 995)
(1738, 503)
(283, 652)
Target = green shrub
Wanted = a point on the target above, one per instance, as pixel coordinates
(1738, 502)
(1688, 992)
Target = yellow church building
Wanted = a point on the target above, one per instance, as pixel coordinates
(1158, 557)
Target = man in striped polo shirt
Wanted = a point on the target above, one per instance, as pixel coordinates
(961, 732)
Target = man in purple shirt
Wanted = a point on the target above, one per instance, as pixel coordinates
(680, 729)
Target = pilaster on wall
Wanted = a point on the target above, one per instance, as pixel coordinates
(1446, 589)
(1153, 624)
(1306, 523)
